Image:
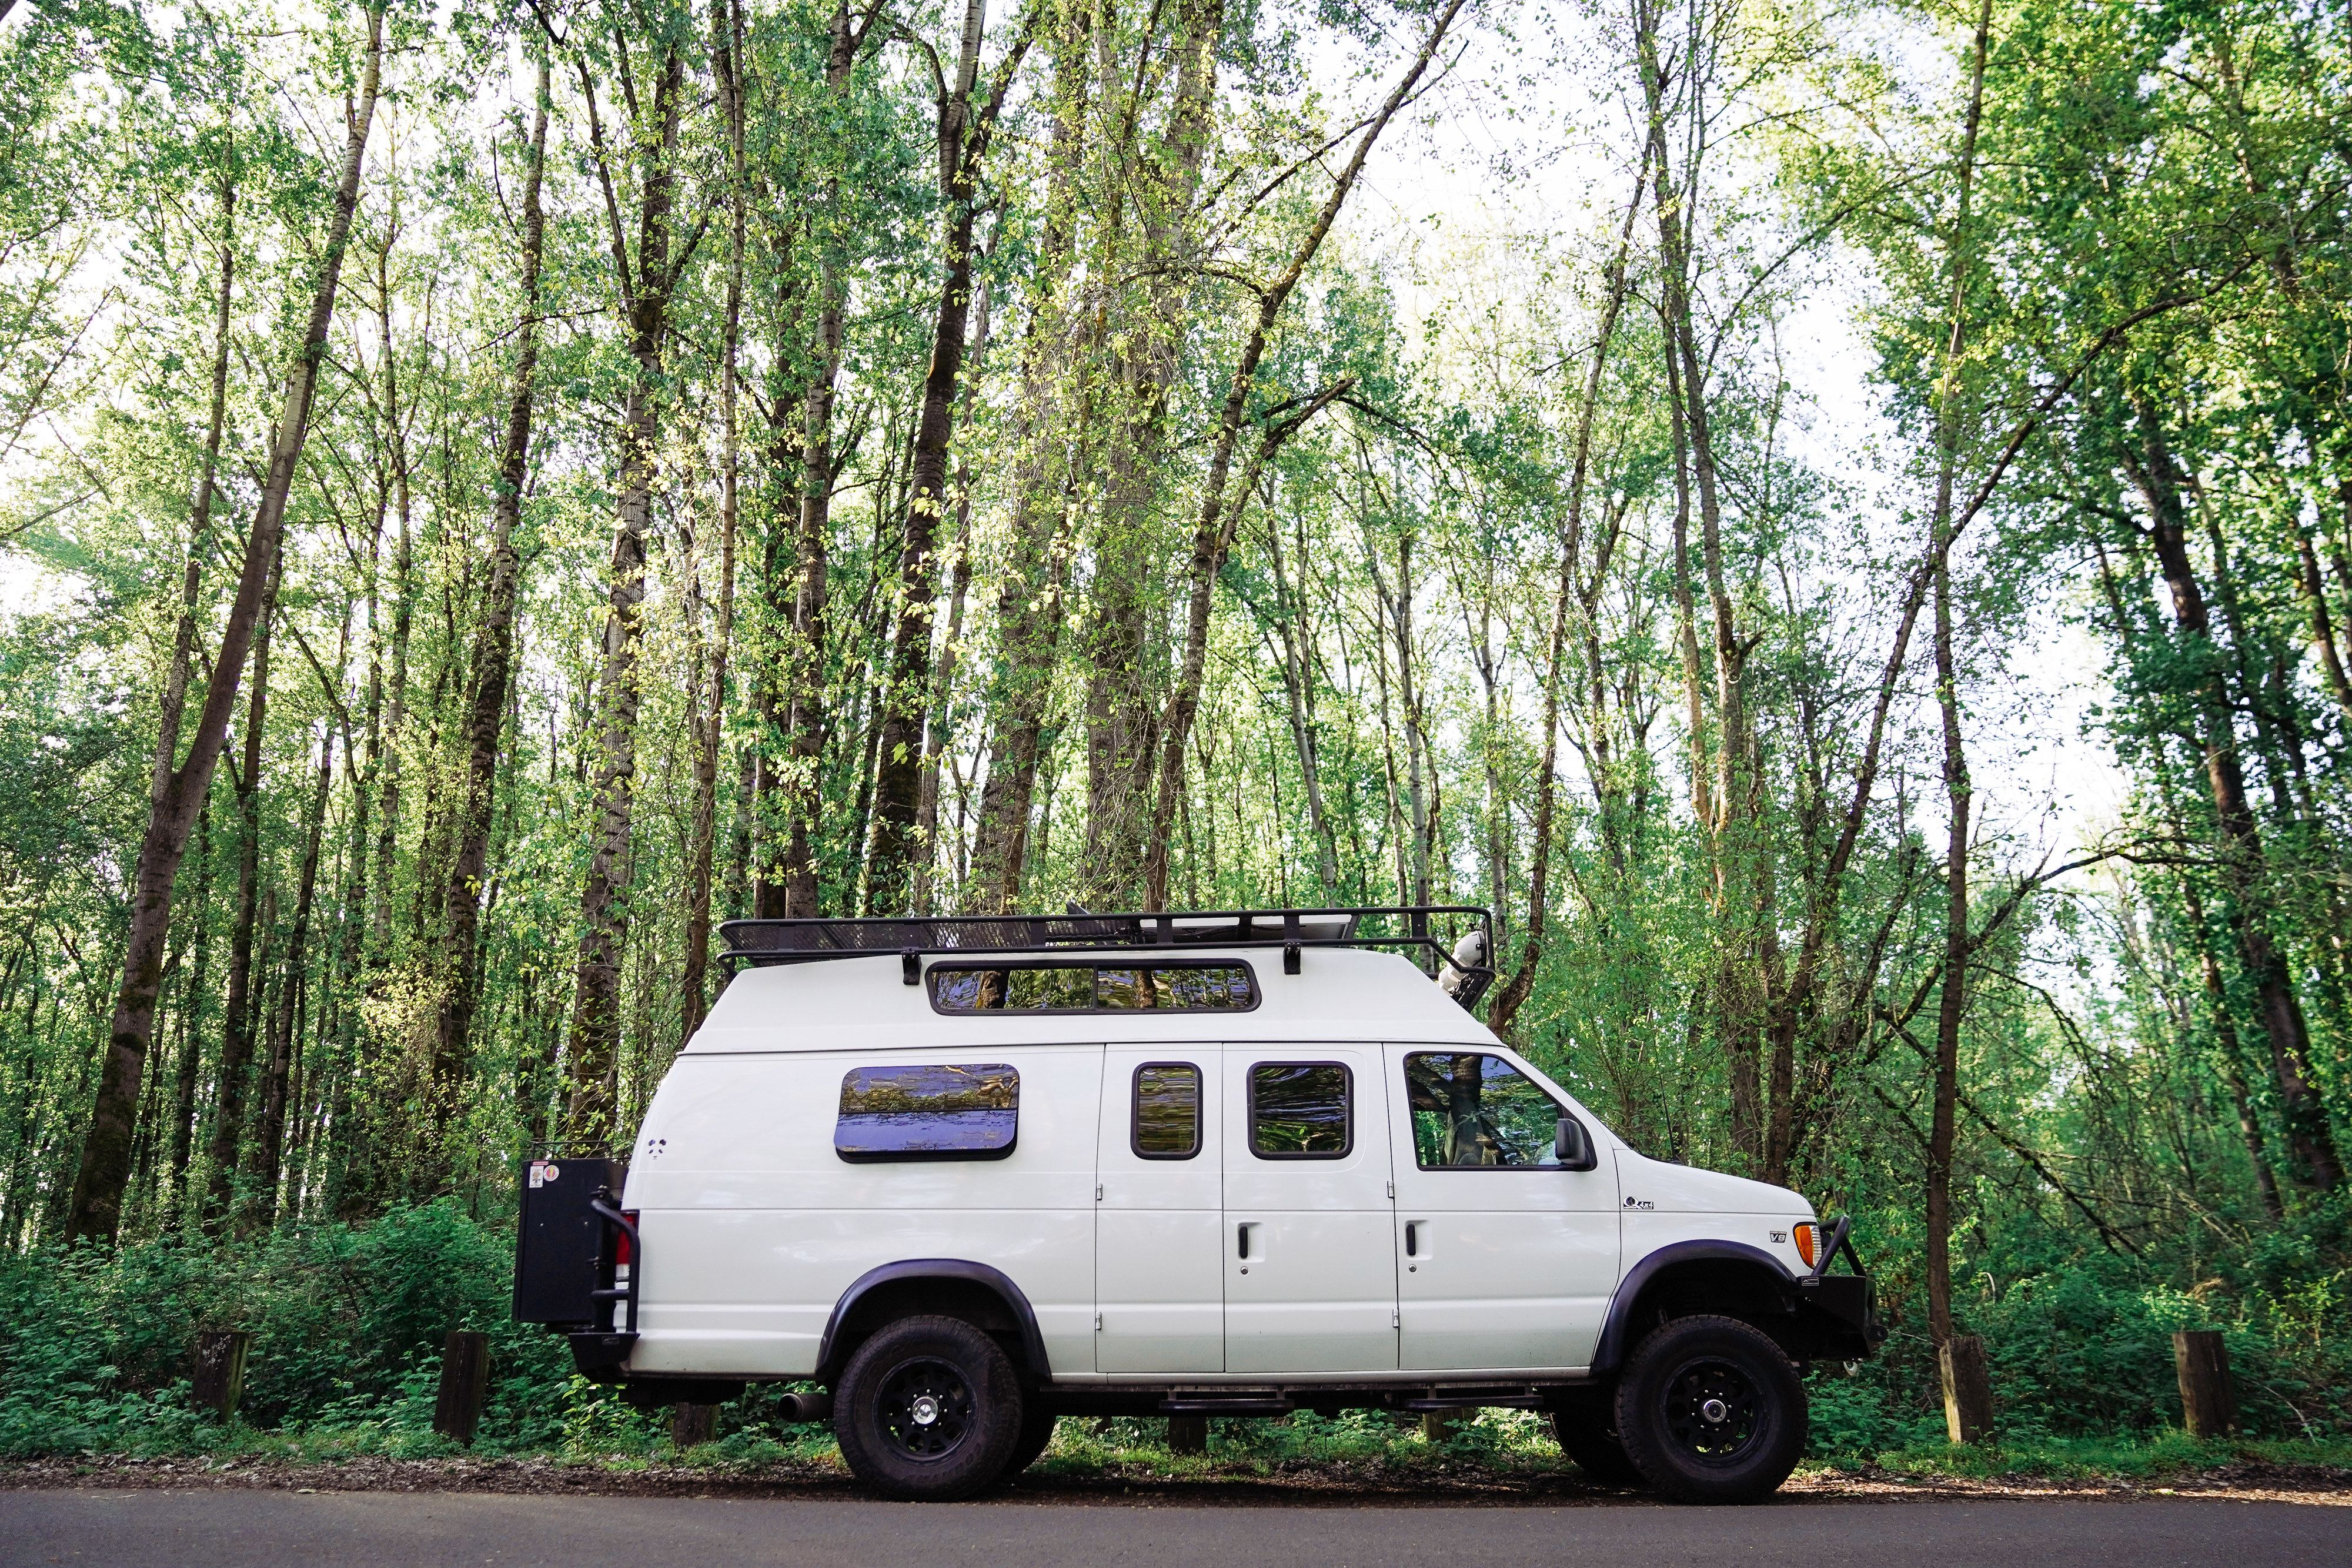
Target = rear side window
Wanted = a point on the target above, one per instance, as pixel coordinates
(1093, 988)
(1167, 1111)
(962, 1111)
(1476, 1112)
(1301, 1110)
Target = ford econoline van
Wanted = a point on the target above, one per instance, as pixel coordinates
(970, 1174)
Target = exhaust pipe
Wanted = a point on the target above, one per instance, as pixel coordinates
(795, 1407)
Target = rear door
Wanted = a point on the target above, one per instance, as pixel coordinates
(1159, 1277)
(1309, 1238)
(1507, 1260)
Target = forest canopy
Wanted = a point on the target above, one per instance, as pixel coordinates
(489, 492)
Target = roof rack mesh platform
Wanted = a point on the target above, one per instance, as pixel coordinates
(1432, 931)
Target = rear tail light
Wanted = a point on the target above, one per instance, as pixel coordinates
(621, 1253)
(1808, 1243)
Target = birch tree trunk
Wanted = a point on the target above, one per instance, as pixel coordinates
(644, 289)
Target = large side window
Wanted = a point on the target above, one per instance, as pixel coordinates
(965, 1112)
(1471, 1111)
(1188, 988)
(1167, 1111)
(1300, 1110)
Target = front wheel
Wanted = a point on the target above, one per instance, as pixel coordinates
(1036, 1432)
(1711, 1411)
(928, 1410)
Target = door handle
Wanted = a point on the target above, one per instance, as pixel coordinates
(1244, 1234)
(1411, 1239)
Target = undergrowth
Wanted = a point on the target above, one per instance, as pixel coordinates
(348, 1324)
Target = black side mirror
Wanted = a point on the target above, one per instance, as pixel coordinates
(1573, 1147)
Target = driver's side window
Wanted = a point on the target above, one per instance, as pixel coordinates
(1471, 1111)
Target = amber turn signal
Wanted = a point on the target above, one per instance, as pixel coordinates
(1808, 1242)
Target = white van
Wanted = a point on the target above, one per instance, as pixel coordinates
(969, 1176)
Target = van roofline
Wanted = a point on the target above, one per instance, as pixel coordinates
(1400, 927)
(1340, 993)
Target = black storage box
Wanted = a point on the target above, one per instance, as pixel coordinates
(562, 1246)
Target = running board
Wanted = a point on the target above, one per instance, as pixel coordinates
(1476, 1402)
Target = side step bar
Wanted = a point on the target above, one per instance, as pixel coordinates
(1263, 1405)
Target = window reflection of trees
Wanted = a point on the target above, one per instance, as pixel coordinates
(1472, 1110)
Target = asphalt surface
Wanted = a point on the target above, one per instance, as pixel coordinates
(367, 1530)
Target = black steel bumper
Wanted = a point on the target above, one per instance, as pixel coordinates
(1837, 1315)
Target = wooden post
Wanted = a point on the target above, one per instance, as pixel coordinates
(692, 1424)
(1968, 1391)
(1188, 1434)
(1437, 1426)
(465, 1373)
(219, 1380)
(2209, 1407)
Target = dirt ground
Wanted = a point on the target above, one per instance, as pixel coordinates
(1296, 1485)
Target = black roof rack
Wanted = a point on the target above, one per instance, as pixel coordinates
(764, 943)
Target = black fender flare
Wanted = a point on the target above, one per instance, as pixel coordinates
(981, 1274)
(1616, 1329)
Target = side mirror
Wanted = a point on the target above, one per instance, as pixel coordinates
(1573, 1147)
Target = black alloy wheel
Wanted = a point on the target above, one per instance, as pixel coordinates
(926, 1409)
(1711, 1410)
(929, 1409)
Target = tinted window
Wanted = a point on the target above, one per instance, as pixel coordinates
(1299, 1110)
(949, 1112)
(1168, 1111)
(1070, 987)
(1474, 1110)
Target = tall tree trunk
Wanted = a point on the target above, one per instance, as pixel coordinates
(804, 717)
(493, 663)
(964, 139)
(1029, 608)
(243, 1005)
(276, 1081)
(94, 1209)
(1123, 709)
(937, 732)
(645, 292)
(2311, 1143)
(726, 53)
(192, 1038)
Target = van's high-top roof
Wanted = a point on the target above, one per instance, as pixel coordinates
(864, 1003)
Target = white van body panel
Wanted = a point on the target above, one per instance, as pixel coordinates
(1666, 1204)
(754, 1228)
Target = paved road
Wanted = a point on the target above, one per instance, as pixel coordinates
(374, 1530)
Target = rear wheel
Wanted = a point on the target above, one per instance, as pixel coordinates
(1587, 1434)
(928, 1410)
(1711, 1411)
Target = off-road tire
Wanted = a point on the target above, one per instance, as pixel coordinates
(929, 1410)
(1036, 1431)
(1711, 1411)
(1588, 1435)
